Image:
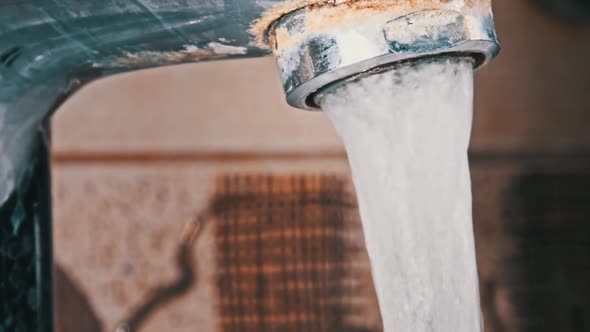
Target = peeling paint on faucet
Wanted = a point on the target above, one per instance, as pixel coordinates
(190, 53)
(50, 44)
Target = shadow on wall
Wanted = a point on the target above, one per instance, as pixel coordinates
(290, 257)
(577, 11)
(548, 219)
(293, 244)
(75, 312)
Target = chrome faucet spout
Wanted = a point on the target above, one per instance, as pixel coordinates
(322, 43)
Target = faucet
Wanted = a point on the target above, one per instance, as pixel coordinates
(49, 49)
(325, 43)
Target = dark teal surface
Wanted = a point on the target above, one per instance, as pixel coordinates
(25, 249)
(48, 49)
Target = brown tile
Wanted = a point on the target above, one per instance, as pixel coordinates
(291, 255)
(117, 231)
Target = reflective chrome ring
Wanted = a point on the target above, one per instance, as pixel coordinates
(312, 52)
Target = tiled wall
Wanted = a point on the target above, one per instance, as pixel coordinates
(136, 156)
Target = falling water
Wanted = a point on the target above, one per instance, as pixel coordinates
(406, 132)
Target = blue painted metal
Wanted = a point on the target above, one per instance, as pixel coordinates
(48, 49)
(25, 247)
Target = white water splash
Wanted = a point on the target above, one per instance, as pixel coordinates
(406, 132)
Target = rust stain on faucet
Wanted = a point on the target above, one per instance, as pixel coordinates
(333, 12)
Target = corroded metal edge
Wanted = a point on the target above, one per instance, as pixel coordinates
(260, 27)
(318, 45)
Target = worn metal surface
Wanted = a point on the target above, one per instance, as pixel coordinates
(322, 44)
(49, 48)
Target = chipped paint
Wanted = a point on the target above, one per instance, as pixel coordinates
(191, 48)
(222, 49)
(190, 53)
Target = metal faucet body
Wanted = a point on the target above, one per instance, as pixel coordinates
(49, 49)
(322, 44)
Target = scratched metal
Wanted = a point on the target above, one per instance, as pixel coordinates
(319, 46)
(49, 48)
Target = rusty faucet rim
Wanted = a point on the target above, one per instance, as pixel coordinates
(312, 54)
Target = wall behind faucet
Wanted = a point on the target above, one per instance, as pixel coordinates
(135, 156)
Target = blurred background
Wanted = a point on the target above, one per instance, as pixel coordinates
(192, 198)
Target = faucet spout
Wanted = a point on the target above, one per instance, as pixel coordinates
(323, 43)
